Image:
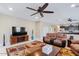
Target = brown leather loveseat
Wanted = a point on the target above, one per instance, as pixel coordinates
(53, 36)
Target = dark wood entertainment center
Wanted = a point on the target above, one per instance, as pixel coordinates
(17, 39)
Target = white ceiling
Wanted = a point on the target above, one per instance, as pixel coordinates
(62, 11)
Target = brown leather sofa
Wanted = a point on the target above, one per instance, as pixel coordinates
(51, 38)
(75, 46)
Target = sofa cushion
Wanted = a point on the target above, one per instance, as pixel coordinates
(51, 35)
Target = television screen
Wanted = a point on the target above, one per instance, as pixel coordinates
(22, 29)
(18, 31)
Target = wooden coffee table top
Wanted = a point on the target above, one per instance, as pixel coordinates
(40, 53)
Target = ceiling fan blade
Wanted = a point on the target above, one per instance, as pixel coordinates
(31, 8)
(34, 13)
(41, 14)
(44, 6)
(47, 11)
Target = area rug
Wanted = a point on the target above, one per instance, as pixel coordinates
(66, 52)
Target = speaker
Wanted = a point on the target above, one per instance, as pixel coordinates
(13, 30)
(3, 39)
(22, 29)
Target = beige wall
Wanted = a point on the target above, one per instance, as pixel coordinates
(6, 23)
(42, 28)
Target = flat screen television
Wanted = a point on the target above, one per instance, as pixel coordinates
(18, 31)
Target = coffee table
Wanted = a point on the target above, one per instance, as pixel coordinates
(40, 53)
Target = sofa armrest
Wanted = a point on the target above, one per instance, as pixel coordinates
(75, 48)
(74, 51)
(75, 41)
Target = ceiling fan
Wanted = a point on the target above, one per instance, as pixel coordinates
(70, 20)
(40, 10)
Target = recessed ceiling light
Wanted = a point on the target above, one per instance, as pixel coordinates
(10, 9)
(73, 5)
